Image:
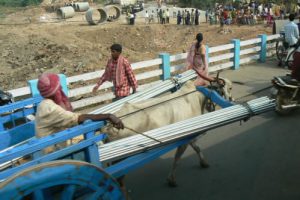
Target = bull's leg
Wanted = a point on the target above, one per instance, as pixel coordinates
(203, 162)
(179, 152)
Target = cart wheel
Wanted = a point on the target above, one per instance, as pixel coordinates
(63, 179)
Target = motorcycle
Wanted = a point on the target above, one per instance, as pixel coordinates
(286, 91)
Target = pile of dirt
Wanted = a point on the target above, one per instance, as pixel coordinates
(75, 47)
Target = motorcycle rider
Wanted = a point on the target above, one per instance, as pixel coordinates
(291, 35)
(291, 31)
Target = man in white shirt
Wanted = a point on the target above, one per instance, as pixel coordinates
(291, 31)
(260, 9)
(146, 17)
(167, 16)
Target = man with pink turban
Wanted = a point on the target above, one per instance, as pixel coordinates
(54, 113)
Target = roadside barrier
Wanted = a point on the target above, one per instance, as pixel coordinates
(151, 72)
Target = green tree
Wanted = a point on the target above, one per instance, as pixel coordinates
(17, 3)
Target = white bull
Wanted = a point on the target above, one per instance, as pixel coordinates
(157, 112)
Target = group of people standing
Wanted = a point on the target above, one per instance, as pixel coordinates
(163, 16)
(186, 17)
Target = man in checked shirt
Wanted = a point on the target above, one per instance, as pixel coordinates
(118, 71)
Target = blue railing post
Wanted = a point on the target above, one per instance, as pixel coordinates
(35, 92)
(1, 127)
(207, 54)
(92, 152)
(165, 66)
(263, 45)
(236, 51)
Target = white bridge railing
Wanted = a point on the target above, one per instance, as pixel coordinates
(153, 71)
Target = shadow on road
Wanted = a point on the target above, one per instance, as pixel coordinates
(256, 160)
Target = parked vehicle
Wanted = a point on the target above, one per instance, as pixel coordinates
(286, 92)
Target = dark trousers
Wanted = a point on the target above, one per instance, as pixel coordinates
(296, 66)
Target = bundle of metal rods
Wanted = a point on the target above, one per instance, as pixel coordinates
(180, 130)
(148, 93)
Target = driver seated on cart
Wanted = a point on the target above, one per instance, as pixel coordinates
(55, 112)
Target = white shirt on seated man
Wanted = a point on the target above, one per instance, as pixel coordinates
(291, 31)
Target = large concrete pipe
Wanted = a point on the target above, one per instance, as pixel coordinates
(112, 10)
(93, 14)
(81, 6)
(65, 12)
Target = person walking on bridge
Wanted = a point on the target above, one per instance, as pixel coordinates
(197, 61)
(118, 71)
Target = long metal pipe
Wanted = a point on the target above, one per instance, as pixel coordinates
(137, 143)
(208, 119)
(150, 144)
(127, 142)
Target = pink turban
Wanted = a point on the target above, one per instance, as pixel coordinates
(49, 87)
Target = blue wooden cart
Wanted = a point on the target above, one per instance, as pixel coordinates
(61, 174)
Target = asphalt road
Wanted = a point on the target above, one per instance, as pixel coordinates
(258, 159)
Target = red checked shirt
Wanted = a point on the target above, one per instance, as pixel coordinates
(127, 76)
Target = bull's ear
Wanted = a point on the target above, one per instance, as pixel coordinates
(222, 82)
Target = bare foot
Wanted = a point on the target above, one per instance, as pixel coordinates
(171, 182)
(204, 164)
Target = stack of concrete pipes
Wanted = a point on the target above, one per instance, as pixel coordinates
(93, 16)
(68, 11)
(93, 19)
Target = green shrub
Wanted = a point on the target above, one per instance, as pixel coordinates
(16, 3)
